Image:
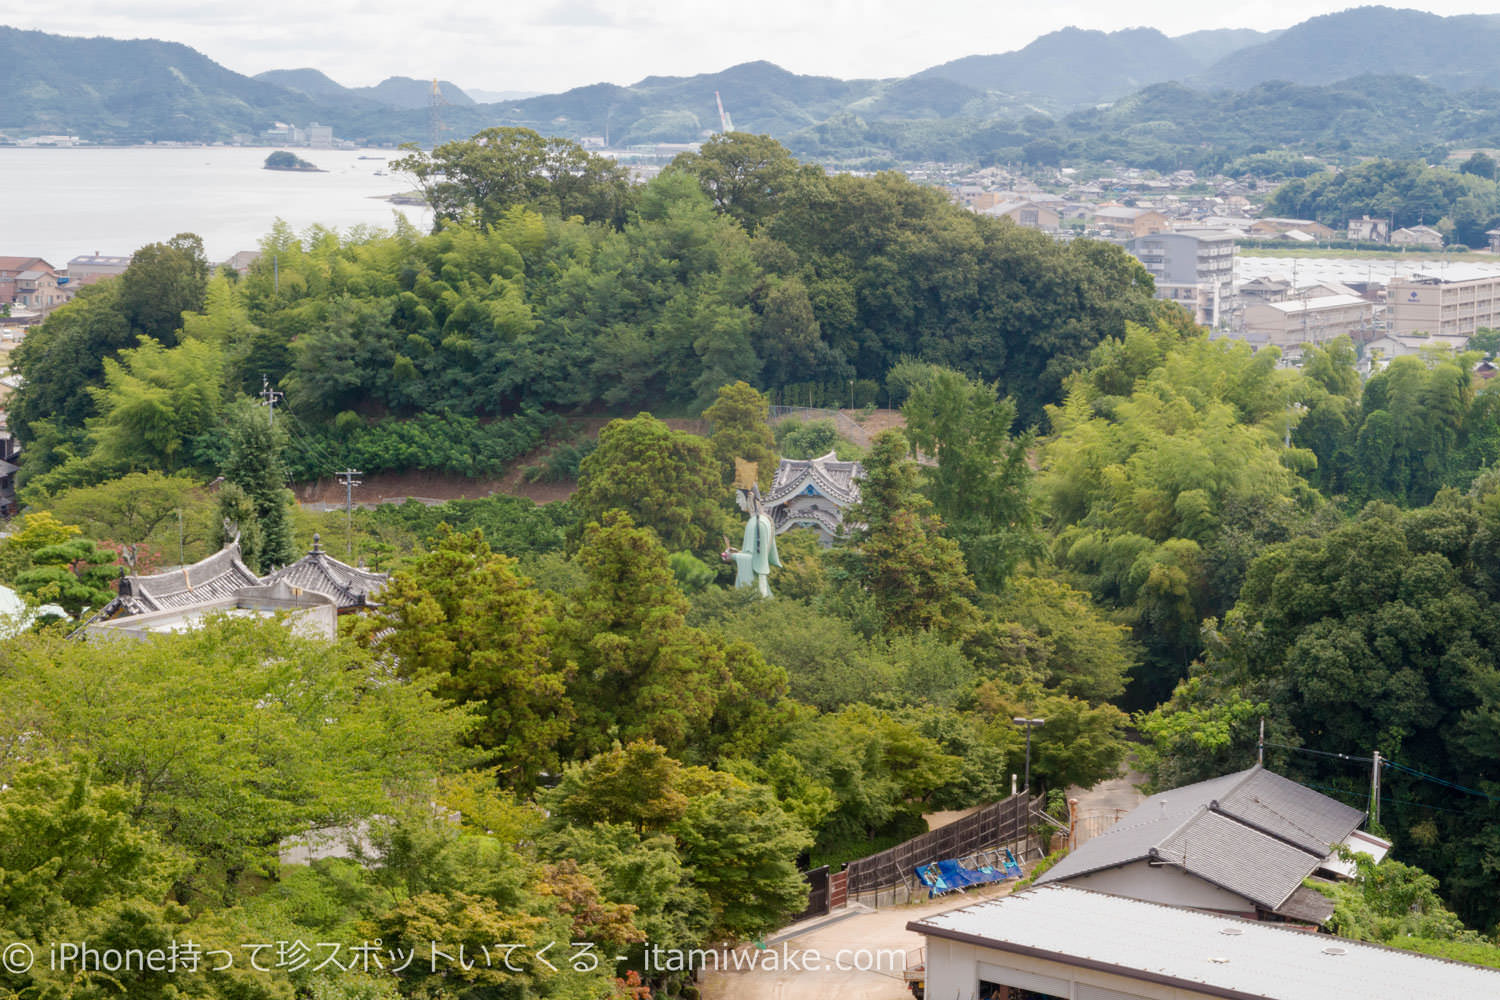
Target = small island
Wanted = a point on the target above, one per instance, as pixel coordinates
(282, 160)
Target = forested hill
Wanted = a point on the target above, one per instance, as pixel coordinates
(401, 92)
(587, 724)
(1456, 52)
(132, 91)
(1074, 66)
(1370, 81)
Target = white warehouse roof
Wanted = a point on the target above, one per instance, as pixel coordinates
(1201, 953)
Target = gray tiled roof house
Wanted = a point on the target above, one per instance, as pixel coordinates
(1245, 841)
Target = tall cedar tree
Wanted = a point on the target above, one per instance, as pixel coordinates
(916, 577)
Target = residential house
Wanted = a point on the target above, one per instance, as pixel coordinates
(1417, 236)
(1026, 213)
(1121, 223)
(1264, 290)
(1274, 228)
(1376, 354)
(30, 283)
(1456, 300)
(1240, 844)
(1194, 268)
(1061, 941)
(1368, 230)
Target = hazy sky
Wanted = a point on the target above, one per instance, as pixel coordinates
(551, 45)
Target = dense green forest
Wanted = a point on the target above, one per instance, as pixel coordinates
(561, 723)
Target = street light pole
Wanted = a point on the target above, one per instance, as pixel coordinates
(1029, 725)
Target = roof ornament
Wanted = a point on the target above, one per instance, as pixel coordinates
(317, 538)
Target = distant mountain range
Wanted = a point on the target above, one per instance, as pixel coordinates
(393, 92)
(109, 90)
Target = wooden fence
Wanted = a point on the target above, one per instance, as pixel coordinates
(999, 824)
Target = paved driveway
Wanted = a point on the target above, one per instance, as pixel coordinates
(876, 936)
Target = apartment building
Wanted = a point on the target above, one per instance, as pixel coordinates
(1194, 268)
(1454, 303)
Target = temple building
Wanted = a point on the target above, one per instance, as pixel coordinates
(351, 587)
(315, 590)
(213, 579)
(811, 493)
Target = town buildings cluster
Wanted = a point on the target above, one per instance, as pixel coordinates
(1186, 231)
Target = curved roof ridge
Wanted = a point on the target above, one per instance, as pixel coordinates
(230, 553)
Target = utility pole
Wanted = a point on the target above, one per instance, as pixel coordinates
(1260, 747)
(1029, 725)
(270, 396)
(1375, 791)
(347, 476)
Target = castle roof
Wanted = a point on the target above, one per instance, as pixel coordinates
(836, 480)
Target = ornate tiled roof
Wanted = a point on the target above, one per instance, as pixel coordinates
(829, 521)
(321, 573)
(838, 481)
(216, 578)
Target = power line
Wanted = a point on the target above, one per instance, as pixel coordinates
(1387, 762)
(1323, 753)
(1346, 793)
(1442, 781)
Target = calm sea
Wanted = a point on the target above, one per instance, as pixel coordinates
(60, 203)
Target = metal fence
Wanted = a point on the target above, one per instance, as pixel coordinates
(1087, 826)
(999, 824)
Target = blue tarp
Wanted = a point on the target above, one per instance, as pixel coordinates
(951, 875)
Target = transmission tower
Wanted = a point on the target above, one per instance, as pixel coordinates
(436, 102)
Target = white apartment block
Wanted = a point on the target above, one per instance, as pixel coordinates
(1455, 303)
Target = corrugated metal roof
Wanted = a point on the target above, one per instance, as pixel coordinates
(1317, 303)
(1216, 955)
